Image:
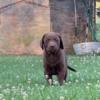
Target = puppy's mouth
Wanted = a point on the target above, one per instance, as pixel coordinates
(52, 51)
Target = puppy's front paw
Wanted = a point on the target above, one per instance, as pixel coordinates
(46, 76)
(50, 81)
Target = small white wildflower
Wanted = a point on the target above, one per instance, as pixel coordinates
(17, 76)
(69, 82)
(6, 91)
(82, 79)
(1, 96)
(12, 98)
(98, 73)
(3, 99)
(98, 86)
(29, 80)
(22, 89)
(52, 86)
(62, 97)
(95, 71)
(40, 60)
(66, 83)
(75, 65)
(87, 87)
(25, 96)
(97, 98)
(66, 91)
(98, 81)
(36, 85)
(7, 85)
(89, 84)
(0, 86)
(85, 71)
(70, 75)
(32, 65)
(48, 98)
(42, 87)
(14, 89)
(55, 82)
(78, 74)
(29, 88)
(76, 81)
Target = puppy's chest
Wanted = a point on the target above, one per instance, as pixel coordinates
(53, 59)
(54, 70)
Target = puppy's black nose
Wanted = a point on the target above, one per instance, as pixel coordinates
(52, 46)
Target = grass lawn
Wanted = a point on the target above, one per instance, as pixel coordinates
(21, 78)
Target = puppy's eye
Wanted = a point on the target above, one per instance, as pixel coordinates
(47, 40)
(56, 39)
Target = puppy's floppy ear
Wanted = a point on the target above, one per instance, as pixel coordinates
(42, 42)
(61, 42)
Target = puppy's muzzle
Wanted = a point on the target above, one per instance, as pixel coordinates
(52, 47)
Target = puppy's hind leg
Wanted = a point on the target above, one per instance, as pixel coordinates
(66, 72)
(61, 78)
(65, 77)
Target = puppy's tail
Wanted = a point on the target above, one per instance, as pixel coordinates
(72, 69)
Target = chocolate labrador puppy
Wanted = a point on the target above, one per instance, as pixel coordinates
(54, 57)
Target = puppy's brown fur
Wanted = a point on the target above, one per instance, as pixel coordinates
(54, 57)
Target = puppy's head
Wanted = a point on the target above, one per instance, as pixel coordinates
(51, 42)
